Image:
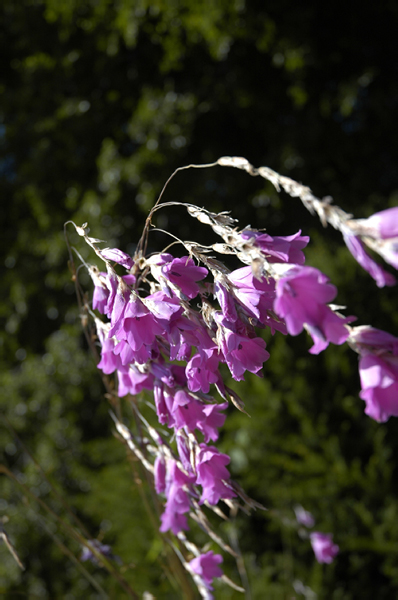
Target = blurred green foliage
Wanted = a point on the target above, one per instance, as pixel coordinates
(100, 102)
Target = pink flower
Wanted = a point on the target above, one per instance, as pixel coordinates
(382, 225)
(378, 370)
(379, 382)
(243, 353)
(302, 295)
(206, 566)
(212, 474)
(177, 503)
(323, 547)
(202, 370)
(179, 272)
(279, 248)
(304, 517)
(357, 249)
(117, 256)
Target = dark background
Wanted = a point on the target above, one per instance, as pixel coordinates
(100, 102)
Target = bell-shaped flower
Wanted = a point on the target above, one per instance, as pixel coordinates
(159, 471)
(324, 549)
(304, 517)
(357, 249)
(213, 474)
(177, 485)
(101, 289)
(132, 381)
(278, 249)
(202, 370)
(379, 382)
(206, 566)
(180, 273)
(117, 256)
(241, 353)
(212, 420)
(302, 294)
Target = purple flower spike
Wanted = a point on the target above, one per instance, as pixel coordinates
(324, 548)
(206, 566)
(357, 249)
(301, 299)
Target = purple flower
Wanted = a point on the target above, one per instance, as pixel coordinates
(212, 474)
(177, 503)
(304, 517)
(366, 338)
(279, 249)
(206, 566)
(357, 249)
(324, 548)
(379, 382)
(103, 549)
(180, 273)
(382, 225)
(257, 297)
(101, 290)
(302, 295)
(243, 353)
(212, 421)
(133, 381)
(202, 370)
(160, 474)
(117, 256)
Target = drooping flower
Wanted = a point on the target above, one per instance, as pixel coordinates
(278, 249)
(213, 474)
(378, 370)
(379, 382)
(202, 370)
(206, 566)
(324, 549)
(103, 549)
(101, 290)
(304, 517)
(117, 256)
(181, 273)
(357, 249)
(160, 474)
(177, 504)
(302, 295)
(243, 354)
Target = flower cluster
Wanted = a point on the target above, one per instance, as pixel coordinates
(153, 337)
(170, 325)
